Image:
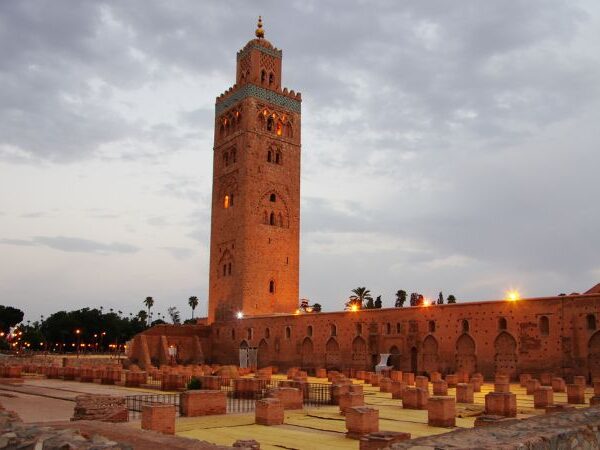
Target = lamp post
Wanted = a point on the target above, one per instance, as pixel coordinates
(78, 333)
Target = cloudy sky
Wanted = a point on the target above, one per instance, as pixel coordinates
(446, 146)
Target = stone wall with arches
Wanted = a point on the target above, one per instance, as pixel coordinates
(553, 334)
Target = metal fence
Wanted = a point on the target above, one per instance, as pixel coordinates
(135, 403)
(315, 395)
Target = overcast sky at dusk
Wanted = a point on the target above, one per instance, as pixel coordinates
(445, 146)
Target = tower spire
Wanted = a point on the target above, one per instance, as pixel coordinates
(260, 33)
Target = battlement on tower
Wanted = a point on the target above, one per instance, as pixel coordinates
(280, 97)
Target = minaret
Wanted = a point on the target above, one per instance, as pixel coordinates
(255, 223)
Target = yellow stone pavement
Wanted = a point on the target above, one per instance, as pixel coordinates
(324, 428)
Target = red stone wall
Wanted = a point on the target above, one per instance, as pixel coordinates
(522, 347)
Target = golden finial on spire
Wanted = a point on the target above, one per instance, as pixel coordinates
(260, 33)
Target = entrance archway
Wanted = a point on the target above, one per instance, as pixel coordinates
(359, 351)
(307, 352)
(430, 354)
(466, 359)
(263, 354)
(395, 357)
(594, 355)
(414, 360)
(506, 354)
(332, 353)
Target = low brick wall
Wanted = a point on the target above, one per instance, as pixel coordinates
(104, 408)
(568, 430)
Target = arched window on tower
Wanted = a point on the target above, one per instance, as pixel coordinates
(432, 326)
(271, 78)
(544, 326)
(277, 157)
(272, 198)
(398, 328)
(591, 322)
(269, 156)
(279, 129)
(271, 287)
(502, 325)
(272, 219)
(465, 326)
(333, 330)
(270, 123)
(263, 76)
(388, 328)
(226, 203)
(309, 331)
(288, 332)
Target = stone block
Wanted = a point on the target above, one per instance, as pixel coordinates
(69, 373)
(385, 384)
(543, 397)
(558, 385)
(595, 400)
(464, 393)
(441, 411)
(247, 444)
(396, 375)
(532, 386)
(422, 382)
(173, 382)
(408, 378)
(440, 387)
(269, 411)
(501, 404)
(546, 379)
(135, 379)
(524, 378)
(580, 380)
(203, 403)
(321, 373)
(86, 375)
(103, 408)
(575, 394)
(414, 398)
(374, 379)
(338, 390)
(476, 382)
(350, 400)
(247, 387)
(360, 421)
(159, 418)
(211, 383)
(291, 398)
(292, 372)
(501, 387)
(356, 388)
(596, 387)
(488, 419)
(501, 378)
(111, 376)
(397, 388)
(361, 375)
(558, 408)
(382, 439)
(462, 377)
(436, 376)
(451, 379)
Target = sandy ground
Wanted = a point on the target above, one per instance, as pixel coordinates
(42, 400)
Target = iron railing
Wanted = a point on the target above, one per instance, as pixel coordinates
(135, 403)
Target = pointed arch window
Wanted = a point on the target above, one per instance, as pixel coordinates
(309, 331)
(288, 332)
(502, 325)
(272, 219)
(269, 156)
(273, 198)
(271, 78)
(591, 322)
(270, 124)
(272, 287)
(333, 330)
(465, 326)
(544, 326)
(263, 76)
(277, 157)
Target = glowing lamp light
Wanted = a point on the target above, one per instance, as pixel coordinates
(354, 308)
(513, 295)
(240, 315)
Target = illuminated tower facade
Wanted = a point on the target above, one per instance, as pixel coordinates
(255, 222)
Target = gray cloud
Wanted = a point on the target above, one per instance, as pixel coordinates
(76, 245)
(445, 146)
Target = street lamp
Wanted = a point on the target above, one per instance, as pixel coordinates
(78, 333)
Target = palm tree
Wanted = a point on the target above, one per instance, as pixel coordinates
(193, 302)
(359, 296)
(149, 302)
(400, 298)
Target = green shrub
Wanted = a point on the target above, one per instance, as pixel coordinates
(194, 384)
